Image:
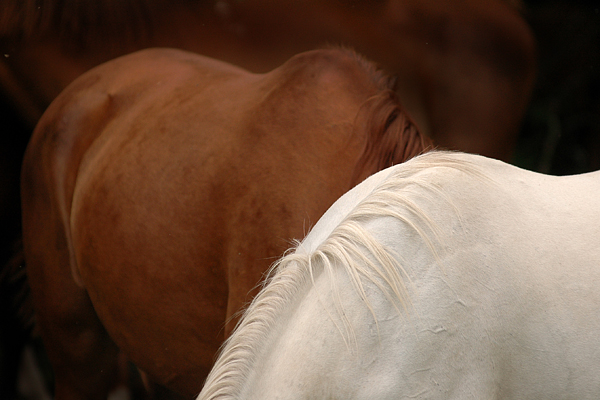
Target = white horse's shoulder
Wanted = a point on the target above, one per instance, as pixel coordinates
(505, 309)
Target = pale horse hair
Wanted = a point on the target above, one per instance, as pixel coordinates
(351, 247)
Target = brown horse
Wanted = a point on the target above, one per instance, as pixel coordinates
(158, 188)
(465, 67)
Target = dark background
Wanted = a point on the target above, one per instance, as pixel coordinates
(561, 131)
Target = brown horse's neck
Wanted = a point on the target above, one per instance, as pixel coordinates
(391, 135)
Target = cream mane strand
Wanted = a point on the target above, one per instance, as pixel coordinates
(350, 246)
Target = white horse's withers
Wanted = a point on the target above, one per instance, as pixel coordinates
(450, 276)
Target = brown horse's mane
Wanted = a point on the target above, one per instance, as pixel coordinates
(392, 136)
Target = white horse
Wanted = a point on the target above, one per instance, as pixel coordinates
(451, 276)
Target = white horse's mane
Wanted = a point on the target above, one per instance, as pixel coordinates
(349, 246)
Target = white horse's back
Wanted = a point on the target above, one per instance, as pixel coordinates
(492, 292)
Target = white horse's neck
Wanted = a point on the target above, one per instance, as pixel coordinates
(322, 355)
(501, 269)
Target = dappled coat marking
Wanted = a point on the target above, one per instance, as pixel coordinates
(159, 187)
(449, 276)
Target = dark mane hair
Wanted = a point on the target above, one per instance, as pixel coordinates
(392, 136)
(78, 22)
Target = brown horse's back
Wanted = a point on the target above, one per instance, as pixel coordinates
(159, 187)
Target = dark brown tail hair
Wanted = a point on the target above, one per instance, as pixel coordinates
(15, 288)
